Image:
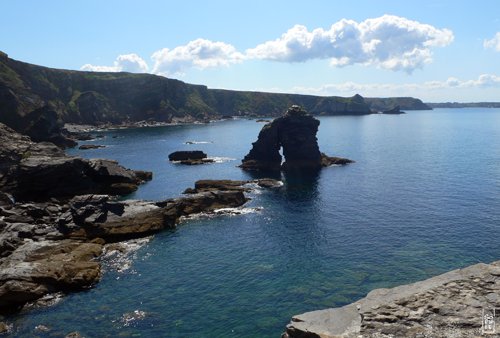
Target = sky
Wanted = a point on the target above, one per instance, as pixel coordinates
(435, 50)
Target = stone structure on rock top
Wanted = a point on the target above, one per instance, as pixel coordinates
(295, 132)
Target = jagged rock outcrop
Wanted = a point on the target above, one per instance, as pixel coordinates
(295, 132)
(38, 171)
(448, 305)
(54, 245)
(232, 185)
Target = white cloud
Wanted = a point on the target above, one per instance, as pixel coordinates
(198, 53)
(493, 43)
(124, 63)
(389, 41)
(404, 89)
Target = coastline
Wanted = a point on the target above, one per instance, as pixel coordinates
(452, 304)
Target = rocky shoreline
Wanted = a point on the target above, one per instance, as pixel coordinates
(57, 214)
(448, 305)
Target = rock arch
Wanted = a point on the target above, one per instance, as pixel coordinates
(295, 132)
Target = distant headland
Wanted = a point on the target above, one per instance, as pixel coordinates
(464, 105)
(37, 101)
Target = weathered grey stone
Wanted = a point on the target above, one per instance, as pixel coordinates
(448, 305)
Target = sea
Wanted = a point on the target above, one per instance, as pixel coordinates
(422, 198)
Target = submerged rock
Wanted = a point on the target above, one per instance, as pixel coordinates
(295, 132)
(448, 305)
(90, 146)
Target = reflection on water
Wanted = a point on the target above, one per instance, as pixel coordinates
(421, 199)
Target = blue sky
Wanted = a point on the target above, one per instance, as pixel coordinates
(434, 50)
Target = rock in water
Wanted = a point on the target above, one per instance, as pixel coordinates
(395, 111)
(90, 146)
(296, 133)
(38, 171)
(187, 155)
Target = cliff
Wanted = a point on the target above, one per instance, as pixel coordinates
(388, 103)
(465, 105)
(37, 100)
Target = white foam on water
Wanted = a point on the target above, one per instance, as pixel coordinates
(120, 256)
(221, 212)
(221, 159)
(198, 142)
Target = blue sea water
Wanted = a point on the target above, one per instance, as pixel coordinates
(422, 198)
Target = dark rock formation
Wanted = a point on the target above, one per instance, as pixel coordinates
(395, 111)
(231, 185)
(37, 268)
(190, 157)
(38, 171)
(295, 132)
(52, 246)
(187, 155)
(327, 161)
(448, 305)
(90, 146)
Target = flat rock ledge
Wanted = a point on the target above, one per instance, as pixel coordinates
(56, 245)
(448, 305)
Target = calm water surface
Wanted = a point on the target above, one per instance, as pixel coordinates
(422, 198)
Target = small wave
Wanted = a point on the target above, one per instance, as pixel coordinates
(198, 142)
(218, 159)
(120, 256)
(222, 212)
(130, 318)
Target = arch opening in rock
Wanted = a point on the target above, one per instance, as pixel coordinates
(294, 133)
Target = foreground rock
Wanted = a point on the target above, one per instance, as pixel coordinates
(37, 268)
(231, 185)
(38, 171)
(296, 133)
(53, 246)
(448, 305)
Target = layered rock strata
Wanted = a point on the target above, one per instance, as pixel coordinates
(38, 171)
(453, 304)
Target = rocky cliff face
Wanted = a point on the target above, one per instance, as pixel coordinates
(404, 103)
(295, 132)
(37, 100)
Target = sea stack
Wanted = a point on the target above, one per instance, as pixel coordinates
(295, 131)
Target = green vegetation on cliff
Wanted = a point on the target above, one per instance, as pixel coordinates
(35, 98)
(404, 103)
